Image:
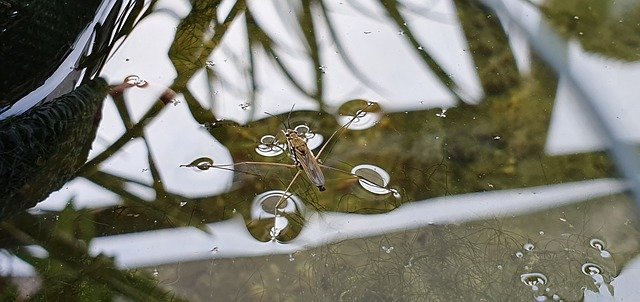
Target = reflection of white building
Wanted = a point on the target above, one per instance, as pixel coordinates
(403, 83)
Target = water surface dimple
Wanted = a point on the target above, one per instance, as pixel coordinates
(269, 146)
(373, 179)
(202, 163)
(264, 204)
(533, 279)
(360, 121)
(591, 269)
(528, 247)
(135, 80)
(314, 140)
(600, 246)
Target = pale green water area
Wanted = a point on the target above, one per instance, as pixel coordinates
(440, 150)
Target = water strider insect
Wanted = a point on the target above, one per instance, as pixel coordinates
(303, 158)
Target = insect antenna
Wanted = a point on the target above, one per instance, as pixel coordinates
(281, 121)
(288, 124)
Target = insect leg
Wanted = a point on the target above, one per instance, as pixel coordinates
(353, 175)
(342, 128)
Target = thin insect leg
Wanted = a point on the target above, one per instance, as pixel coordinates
(229, 167)
(257, 163)
(342, 128)
(354, 175)
(284, 195)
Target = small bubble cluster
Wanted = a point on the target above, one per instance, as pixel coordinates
(135, 80)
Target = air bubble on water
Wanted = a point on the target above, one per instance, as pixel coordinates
(291, 258)
(497, 137)
(183, 203)
(373, 179)
(401, 33)
(600, 246)
(269, 146)
(210, 64)
(519, 254)
(387, 250)
(533, 279)
(322, 68)
(244, 106)
(409, 263)
(541, 233)
(420, 48)
(135, 80)
(499, 267)
(273, 233)
(528, 247)
(155, 272)
(215, 250)
(442, 113)
(591, 269)
(597, 244)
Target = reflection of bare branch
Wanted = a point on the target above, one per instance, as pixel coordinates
(164, 209)
(69, 271)
(261, 37)
(343, 53)
(188, 52)
(309, 31)
(489, 47)
(393, 12)
(135, 131)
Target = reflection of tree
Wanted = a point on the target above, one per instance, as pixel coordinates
(68, 270)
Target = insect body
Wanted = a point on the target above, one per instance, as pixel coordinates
(303, 158)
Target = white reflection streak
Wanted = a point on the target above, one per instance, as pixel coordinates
(230, 239)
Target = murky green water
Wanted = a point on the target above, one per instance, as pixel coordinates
(458, 166)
